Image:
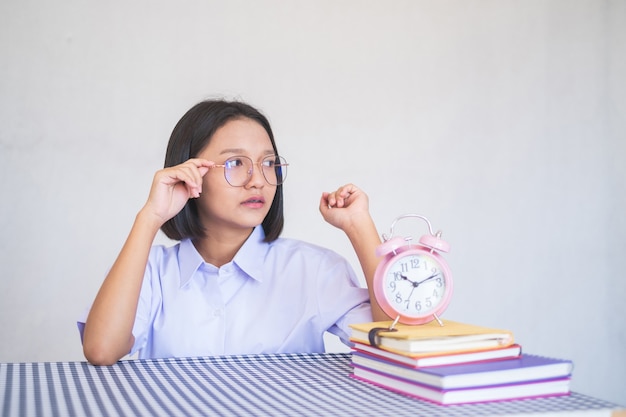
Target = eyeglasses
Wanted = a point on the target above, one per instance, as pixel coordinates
(238, 169)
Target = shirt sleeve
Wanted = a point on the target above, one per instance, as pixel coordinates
(80, 323)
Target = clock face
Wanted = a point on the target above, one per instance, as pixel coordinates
(415, 285)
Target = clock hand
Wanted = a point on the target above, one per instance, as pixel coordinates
(413, 287)
(407, 279)
(408, 299)
(430, 277)
(415, 283)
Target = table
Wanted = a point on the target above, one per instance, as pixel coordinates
(250, 385)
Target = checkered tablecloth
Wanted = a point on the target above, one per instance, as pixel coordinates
(247, 385)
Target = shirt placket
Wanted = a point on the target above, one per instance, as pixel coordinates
(216, 336)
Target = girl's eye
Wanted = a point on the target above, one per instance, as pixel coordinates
(234, 163)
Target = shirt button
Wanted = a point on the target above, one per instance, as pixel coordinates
(218, 313)
(225, 273)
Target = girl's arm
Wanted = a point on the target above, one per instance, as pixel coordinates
(348, 209)
(108, 330)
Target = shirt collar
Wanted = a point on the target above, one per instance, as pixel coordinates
(249, 258)
(189, 260)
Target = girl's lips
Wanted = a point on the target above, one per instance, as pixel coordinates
(254, 202)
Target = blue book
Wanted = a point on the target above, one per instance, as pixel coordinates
(526, 368)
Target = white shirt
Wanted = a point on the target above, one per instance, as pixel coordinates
(273, 297)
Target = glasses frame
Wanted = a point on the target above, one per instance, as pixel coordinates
(284, 164)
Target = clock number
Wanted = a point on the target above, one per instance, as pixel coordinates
(418, 306)
(415, 263)
(397, 275)
(392, 285)
(429, 303)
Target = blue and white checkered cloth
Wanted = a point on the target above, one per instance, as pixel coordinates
(247, 385)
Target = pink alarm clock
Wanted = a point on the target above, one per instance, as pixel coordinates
(412, 282)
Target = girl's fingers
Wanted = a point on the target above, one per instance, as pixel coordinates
(190, 172)
(338, 198)
(196, 169)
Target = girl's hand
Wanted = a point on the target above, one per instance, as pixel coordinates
(345, 208)
(173, 186)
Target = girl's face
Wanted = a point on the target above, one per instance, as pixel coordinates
(221, 206)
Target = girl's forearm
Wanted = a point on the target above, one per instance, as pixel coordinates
(364, 238)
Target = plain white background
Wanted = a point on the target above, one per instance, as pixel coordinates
(501, 121)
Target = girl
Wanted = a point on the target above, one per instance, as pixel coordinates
(231, 285)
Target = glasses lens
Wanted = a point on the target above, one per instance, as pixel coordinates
(274, 169)
(238, 170)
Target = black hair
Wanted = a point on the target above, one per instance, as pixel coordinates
(190, 135)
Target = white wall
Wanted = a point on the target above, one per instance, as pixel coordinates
(502, 121)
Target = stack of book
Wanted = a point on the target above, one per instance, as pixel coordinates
(456, 363)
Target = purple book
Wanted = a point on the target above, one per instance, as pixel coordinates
(526, 368)
(531, 389)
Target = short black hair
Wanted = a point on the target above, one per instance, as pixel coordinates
(190, 135)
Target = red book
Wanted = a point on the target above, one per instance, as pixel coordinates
(438, 358)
